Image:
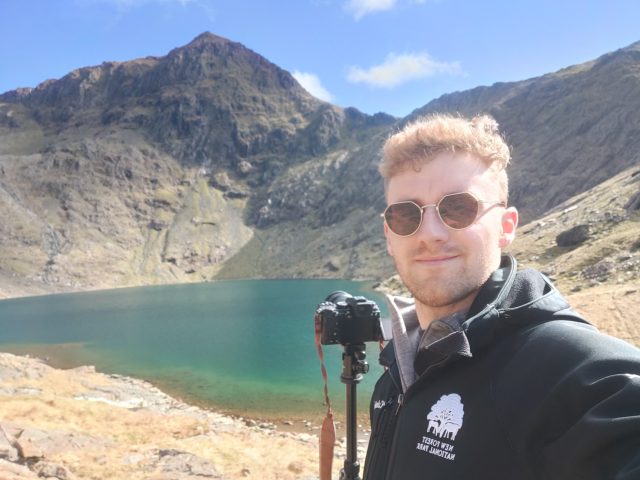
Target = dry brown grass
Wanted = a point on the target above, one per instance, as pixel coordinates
(124, 437)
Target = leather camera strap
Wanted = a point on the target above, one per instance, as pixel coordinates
(328, 430)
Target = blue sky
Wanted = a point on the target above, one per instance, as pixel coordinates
(376, 55)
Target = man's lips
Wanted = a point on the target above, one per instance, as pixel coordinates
(435, 259)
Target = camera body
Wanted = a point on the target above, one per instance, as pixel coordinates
(348, 320)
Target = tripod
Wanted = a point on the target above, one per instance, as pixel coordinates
(354, 366)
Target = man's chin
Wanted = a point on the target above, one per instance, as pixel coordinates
(439, 296)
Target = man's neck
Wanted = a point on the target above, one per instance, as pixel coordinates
(428, 313)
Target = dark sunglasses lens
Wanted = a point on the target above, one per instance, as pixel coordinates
(403, 218)
(458, 210)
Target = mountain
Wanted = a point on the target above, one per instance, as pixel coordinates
(570, 130)
(212, 162)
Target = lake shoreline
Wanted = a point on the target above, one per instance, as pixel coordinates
(286, 421)
(295, 422)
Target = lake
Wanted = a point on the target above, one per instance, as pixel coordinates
(243, 346)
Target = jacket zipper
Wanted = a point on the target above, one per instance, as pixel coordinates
(392, 451)
(400, 402)
(382, 430)
(385, 426)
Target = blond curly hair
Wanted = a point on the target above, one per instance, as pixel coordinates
(420, 141)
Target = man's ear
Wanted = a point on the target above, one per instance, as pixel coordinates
(387, 234)
(508, 227)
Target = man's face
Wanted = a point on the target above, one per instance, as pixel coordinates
(444, 268)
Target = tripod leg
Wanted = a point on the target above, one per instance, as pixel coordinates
(352, 360)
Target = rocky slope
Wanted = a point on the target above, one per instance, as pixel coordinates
(79, 424)
(159, 170)
(211, 162)
(569, 130)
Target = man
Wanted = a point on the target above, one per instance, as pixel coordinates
(490, 374)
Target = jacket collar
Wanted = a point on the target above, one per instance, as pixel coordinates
(508, 300)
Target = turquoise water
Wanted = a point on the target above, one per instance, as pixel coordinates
(244, 346)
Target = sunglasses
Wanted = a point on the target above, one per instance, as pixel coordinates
(456, 210)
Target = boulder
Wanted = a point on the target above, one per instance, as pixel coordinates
(8, 448)
(172, 464)
(13, 471)
(574, 236)
(53, 470)
(33, 443)
(333, 264)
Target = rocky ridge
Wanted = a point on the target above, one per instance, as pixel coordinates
(211, 162)
(569, 130)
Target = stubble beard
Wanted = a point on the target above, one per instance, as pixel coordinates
(442, 291)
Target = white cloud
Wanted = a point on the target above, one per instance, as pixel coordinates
(312, 84)
(360, 8)
(399, 69)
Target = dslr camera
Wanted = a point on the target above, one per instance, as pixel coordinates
(349, 320)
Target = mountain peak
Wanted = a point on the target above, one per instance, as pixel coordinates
(208, 42)
(207, 38)
(212, 51)
(209, 57)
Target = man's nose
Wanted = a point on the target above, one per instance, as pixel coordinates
(432, 228)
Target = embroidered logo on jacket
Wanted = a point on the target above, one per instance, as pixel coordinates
(379, 404)
(443, 423)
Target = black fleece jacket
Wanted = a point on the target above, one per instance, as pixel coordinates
(527, 390)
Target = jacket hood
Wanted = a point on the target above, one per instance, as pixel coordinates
(510, 299)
